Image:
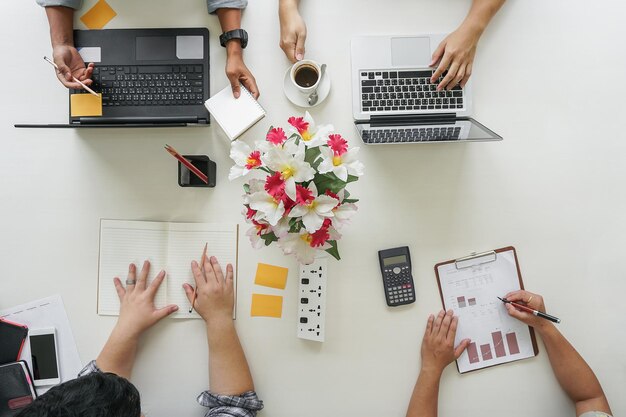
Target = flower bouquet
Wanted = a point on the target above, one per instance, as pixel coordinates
(302, 200)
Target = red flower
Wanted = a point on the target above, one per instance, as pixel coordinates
(327, 223)
(275, 185)
(276, 136)
(260, 227)
(338, 144)
(250, 213)
(298, 123)
(335, 196)
(304, 196)
(320, 237)
(254, 160)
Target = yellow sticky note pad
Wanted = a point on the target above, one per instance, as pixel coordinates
(267, 305)
(271, 276)
(85, 105)
(98, 16)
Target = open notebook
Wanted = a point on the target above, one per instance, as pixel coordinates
(168, 246)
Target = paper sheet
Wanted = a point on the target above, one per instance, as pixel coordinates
(472, 293)
(85, 104)
(271, 276)
(264, 305)
(98, 16)
(48, 312)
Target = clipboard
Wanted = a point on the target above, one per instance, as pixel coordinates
(465, 279)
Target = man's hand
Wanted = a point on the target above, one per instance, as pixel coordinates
(438, 349)
(215, 299)
(70, 64)
(292, 30)
(534, 301)
(455, 54)
(237, 72)
(137, 310)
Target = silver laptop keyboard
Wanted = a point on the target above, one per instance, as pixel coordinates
(413, 134)
(406, 91)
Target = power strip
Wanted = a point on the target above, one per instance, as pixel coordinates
(312, 300)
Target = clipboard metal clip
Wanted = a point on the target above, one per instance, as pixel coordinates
(474, 259)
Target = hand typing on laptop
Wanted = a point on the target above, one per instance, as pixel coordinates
(456, 52)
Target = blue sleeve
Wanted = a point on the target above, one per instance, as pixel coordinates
(213, 5)
(73, 4)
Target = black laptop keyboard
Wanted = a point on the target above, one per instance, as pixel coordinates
(383, 91)
(414, 134)
(150, 85)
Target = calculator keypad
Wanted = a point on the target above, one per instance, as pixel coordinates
(399, 285)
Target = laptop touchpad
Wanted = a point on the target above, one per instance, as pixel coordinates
(410, 52)
(155, 48)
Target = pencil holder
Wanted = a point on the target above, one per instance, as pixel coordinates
(187, 178)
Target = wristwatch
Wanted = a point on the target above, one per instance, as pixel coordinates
(240, 34)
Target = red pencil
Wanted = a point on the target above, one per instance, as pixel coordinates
(188, 164)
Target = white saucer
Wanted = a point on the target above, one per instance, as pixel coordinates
(299, 99)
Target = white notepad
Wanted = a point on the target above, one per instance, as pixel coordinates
(234, 116)
(168, 246)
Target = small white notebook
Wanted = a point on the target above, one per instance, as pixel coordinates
(168, 246)
(234, 116)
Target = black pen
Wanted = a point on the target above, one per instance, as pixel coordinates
(530, 310)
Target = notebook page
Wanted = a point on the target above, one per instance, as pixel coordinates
(234, 116)
(472, 293)
(186, 243)
(124, 242)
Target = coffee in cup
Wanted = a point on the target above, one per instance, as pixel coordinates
(305, 75)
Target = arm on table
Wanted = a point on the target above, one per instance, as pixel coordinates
(456, 52)
(229, 373)
(137, 314)
(292, 30)
(437, 352)
(236, 70)
(64, 54)
(574, 375)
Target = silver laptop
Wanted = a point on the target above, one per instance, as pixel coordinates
(393, 100)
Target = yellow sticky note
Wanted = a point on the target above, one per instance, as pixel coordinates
(98, 16)
(267, 305)
(271, 276)
(85, 105)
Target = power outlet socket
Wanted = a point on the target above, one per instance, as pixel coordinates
(312, 300)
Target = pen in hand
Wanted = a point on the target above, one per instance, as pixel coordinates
(532, 311)
(73, 78)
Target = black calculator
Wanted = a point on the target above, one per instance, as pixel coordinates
(395, 265)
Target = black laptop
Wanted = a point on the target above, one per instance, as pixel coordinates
(147, 77)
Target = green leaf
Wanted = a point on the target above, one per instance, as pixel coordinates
(269, 238)
(333, 250)
(330, 182)
(350, 200)
(246, 188)
(312, 157)
(352, 178)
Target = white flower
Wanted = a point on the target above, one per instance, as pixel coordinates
(312, 208)
(343, 213)
(300, 245)
(311, 135)
(341, 165)
(292, 167)
(267, 207)
(254, 233)
(245, 159)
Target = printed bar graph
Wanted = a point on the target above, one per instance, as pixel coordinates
(485, 351)
(461, 301)
(498, 344)
(511, 340)
(471, 301)
(472, 353)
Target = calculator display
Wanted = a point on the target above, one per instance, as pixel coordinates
(394, 260)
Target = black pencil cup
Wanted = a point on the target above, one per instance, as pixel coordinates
(187, 178)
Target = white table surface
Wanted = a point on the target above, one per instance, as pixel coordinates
(548, 77)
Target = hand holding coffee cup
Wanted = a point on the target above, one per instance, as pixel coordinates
(305, 76)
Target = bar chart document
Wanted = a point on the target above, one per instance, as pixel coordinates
(470, 286)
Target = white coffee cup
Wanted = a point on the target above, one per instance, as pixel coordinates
(305, 76)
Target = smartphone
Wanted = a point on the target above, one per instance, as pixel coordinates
(12, 338)
(45, 357)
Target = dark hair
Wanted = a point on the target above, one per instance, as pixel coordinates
(93, 395)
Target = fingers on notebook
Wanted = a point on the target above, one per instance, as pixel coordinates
(197, 274)
(143, 275)
(156, 283)
(121, 291)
